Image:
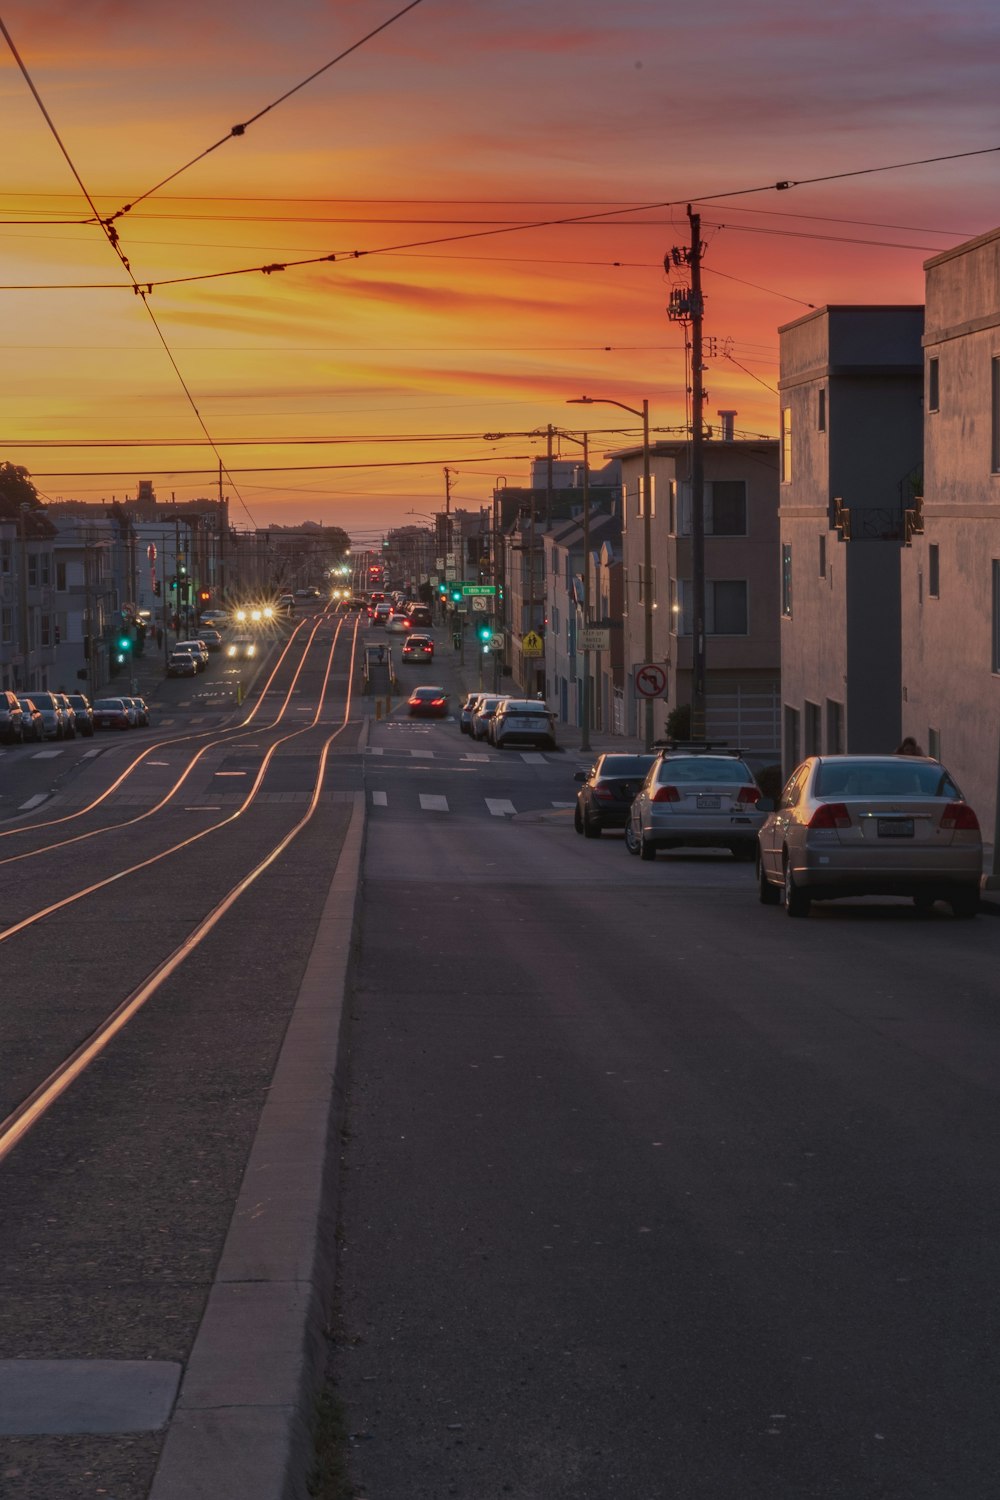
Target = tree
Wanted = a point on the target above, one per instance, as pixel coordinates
(16, 489)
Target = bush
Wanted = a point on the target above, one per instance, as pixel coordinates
(679, 722)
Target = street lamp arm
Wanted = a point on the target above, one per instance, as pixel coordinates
(602, 401)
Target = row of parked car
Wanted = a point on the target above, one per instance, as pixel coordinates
(843, 825)
(27, 718)
(502, 720)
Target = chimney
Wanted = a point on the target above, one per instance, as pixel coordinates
(728, 420)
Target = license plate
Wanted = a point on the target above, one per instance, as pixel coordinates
(709, 802)
(895, 828)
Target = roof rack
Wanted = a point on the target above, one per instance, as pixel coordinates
(700, 747)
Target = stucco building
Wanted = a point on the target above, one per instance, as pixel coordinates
(851, 451)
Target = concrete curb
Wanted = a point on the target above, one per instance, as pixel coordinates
(241, 1427)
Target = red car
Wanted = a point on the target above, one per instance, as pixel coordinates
(418, 648)
(110, 713)
(428, 703)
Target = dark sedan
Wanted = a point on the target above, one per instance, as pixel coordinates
(428, 703)
(605, 797)
(111, 713)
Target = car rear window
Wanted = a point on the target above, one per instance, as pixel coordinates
(702, 768)
(625, 765)
(43, 700)
(884, 778)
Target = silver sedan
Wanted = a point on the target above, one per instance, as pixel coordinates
(859, 825)
(696, 798)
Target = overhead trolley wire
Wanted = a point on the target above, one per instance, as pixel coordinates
(241, 129)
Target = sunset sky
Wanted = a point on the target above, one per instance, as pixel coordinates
(460, 117)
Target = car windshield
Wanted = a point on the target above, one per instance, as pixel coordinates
(108, 703)
(703, 768)
(77, 701)
(884, 778)
(43, 700)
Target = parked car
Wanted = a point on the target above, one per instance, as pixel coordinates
(10, 717)
(69, 712)
(608, 791)
(211, 637)
(696, 796)
(418, 648)
(467, 710)
(198, 650)
(524, 721)
(214, 617)
(483, 713)
(84, 713)
(57, 725)
(428, 703)
(180, 664)
(32, 724)
(138, 711)
(871, 825)
(110, 713)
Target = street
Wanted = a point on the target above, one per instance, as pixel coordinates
(648, 1190)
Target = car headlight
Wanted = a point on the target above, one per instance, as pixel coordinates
(251, 651)
(230, 650)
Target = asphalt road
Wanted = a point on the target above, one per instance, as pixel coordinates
(650, 1192)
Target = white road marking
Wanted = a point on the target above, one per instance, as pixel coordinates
(431, 803)
(232, 773)
(380, 799)
(46, 754)
(533, 758)
(422, 754)
(564, 804)
(477, 758)
(89, 755)
(31, 802)
(149, 762)
(499, 807)
(374, 750)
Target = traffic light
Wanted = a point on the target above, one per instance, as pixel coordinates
(203, 596)
(157, 589)
(456, 596)
(485, 633)
(123, 647)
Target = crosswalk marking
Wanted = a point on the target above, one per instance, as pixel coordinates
(533, 758)
(89, 755)
(374, 750)
(499, 807)
(32, 802)
(46, 754)
(477, 758)
(432, 803)
(422, 754)
(380, 799)
(564, 804)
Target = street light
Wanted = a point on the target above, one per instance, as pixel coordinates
(647, 539)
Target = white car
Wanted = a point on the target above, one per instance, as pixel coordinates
(524, 721)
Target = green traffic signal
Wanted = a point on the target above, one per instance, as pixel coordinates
(124, 645)
(485, 631)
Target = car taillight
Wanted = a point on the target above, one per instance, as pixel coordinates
(830, 815)
(437, 702)
(666, 794)
(604, 793)
(749, 794)
(959, 815)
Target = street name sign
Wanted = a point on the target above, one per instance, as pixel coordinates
(479, 590)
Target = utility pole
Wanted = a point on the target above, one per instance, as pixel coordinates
(698, 683)
(585, 736)
(24, 629)
(687, 306)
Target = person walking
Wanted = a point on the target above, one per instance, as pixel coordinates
(908, 746)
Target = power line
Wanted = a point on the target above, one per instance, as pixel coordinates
(240, 130)
(401, 463)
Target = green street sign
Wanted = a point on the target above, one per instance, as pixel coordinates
(478, 589)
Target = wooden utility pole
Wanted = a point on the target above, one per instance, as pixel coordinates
(698, 684)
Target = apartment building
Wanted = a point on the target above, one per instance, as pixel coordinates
(950, 565)
(851, 451)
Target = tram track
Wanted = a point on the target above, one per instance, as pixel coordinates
(230, 734)
(249, 848)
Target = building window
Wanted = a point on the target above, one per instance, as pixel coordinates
(822, 555)
(641, 495)
(6, 626)
(934, 744)
(996, 616)
(5, 555)
(61, 577)
(821, 409)
(725, 508)
(933, 385)
(786, 579)
(786, 444)
(933, 572)
(624, 507)
(726, 607)
(45, 630)
(834, 727)
(672, 506)
(793, 749)
(32, 570)
(813, 728)
(995, 408)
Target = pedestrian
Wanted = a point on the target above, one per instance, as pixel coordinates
(908, 746)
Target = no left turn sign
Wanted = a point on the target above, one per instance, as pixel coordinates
(650, 680)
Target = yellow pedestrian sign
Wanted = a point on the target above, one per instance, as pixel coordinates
(531, 644)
